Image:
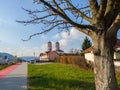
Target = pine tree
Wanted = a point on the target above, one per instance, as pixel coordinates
(86, 44)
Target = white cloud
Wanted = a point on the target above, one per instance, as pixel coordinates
(43, 47)
(43, 36)
(65, 35)
(64, 42)
(67, 40)
(73, 39)
(56, 36)
(75, 34)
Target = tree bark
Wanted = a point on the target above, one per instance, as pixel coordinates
(104, 70)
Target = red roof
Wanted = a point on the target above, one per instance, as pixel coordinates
(89, 49)
(47, 52)
(117, 45)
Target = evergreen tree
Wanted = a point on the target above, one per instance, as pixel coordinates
(86, 44)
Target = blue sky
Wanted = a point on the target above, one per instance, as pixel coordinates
(12, 32)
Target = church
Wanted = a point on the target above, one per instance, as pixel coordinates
(51, 55)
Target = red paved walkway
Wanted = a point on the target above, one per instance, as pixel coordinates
(7, 70)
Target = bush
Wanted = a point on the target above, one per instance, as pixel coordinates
(73, 60)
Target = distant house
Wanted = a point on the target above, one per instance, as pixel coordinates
(51, 55)
(89, 56)
(117, 50)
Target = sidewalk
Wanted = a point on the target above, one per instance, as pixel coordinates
(16, 79)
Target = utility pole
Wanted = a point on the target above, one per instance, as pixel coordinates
(34, 57)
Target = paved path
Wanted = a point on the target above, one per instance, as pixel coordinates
(7, 70)
(16, 79)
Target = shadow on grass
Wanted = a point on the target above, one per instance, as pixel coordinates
(45, 83)
(14, 82)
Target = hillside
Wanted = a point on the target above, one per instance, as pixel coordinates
(7, 55)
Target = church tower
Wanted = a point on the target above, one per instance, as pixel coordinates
(57, 45)
(49, 46)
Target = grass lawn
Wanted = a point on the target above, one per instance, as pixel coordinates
(59, 77)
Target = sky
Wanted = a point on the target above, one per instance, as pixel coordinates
(12, 33)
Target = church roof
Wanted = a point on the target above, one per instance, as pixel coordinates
(49, 42)
(57, 42)
(59, 50)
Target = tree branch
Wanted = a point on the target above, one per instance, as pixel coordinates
(66, 18)
(78, 11)
(44, 31)
(102, 9)
(58, 7)
(112, 31)
(36, 20)
(94, 7)
(109, 7)
(58, 18)
(112, 10)
(86, 31)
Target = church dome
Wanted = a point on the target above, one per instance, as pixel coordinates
(57, 42)
(49, 42)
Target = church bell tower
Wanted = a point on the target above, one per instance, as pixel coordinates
(49, 46)
(57, 45)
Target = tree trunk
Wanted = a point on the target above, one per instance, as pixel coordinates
(104, 70)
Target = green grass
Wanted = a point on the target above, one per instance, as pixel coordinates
(60, 77)
(4, 66)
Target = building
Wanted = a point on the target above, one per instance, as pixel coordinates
(117, 50)
(50, 54)
(58, 50)
(89, 56)
(49, 46)
(88, 53)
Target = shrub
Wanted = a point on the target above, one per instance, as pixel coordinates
(73, 60)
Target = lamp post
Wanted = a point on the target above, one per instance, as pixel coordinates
(34, 57)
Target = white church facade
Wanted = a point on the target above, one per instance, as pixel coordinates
(50, 54)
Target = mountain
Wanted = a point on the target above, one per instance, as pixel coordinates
(28, 58)
(6, 55)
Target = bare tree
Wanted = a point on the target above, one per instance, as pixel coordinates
(103, 22)
(75, 51)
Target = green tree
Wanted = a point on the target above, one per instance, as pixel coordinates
(16, 58)
(86, 44)
(103, 23)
